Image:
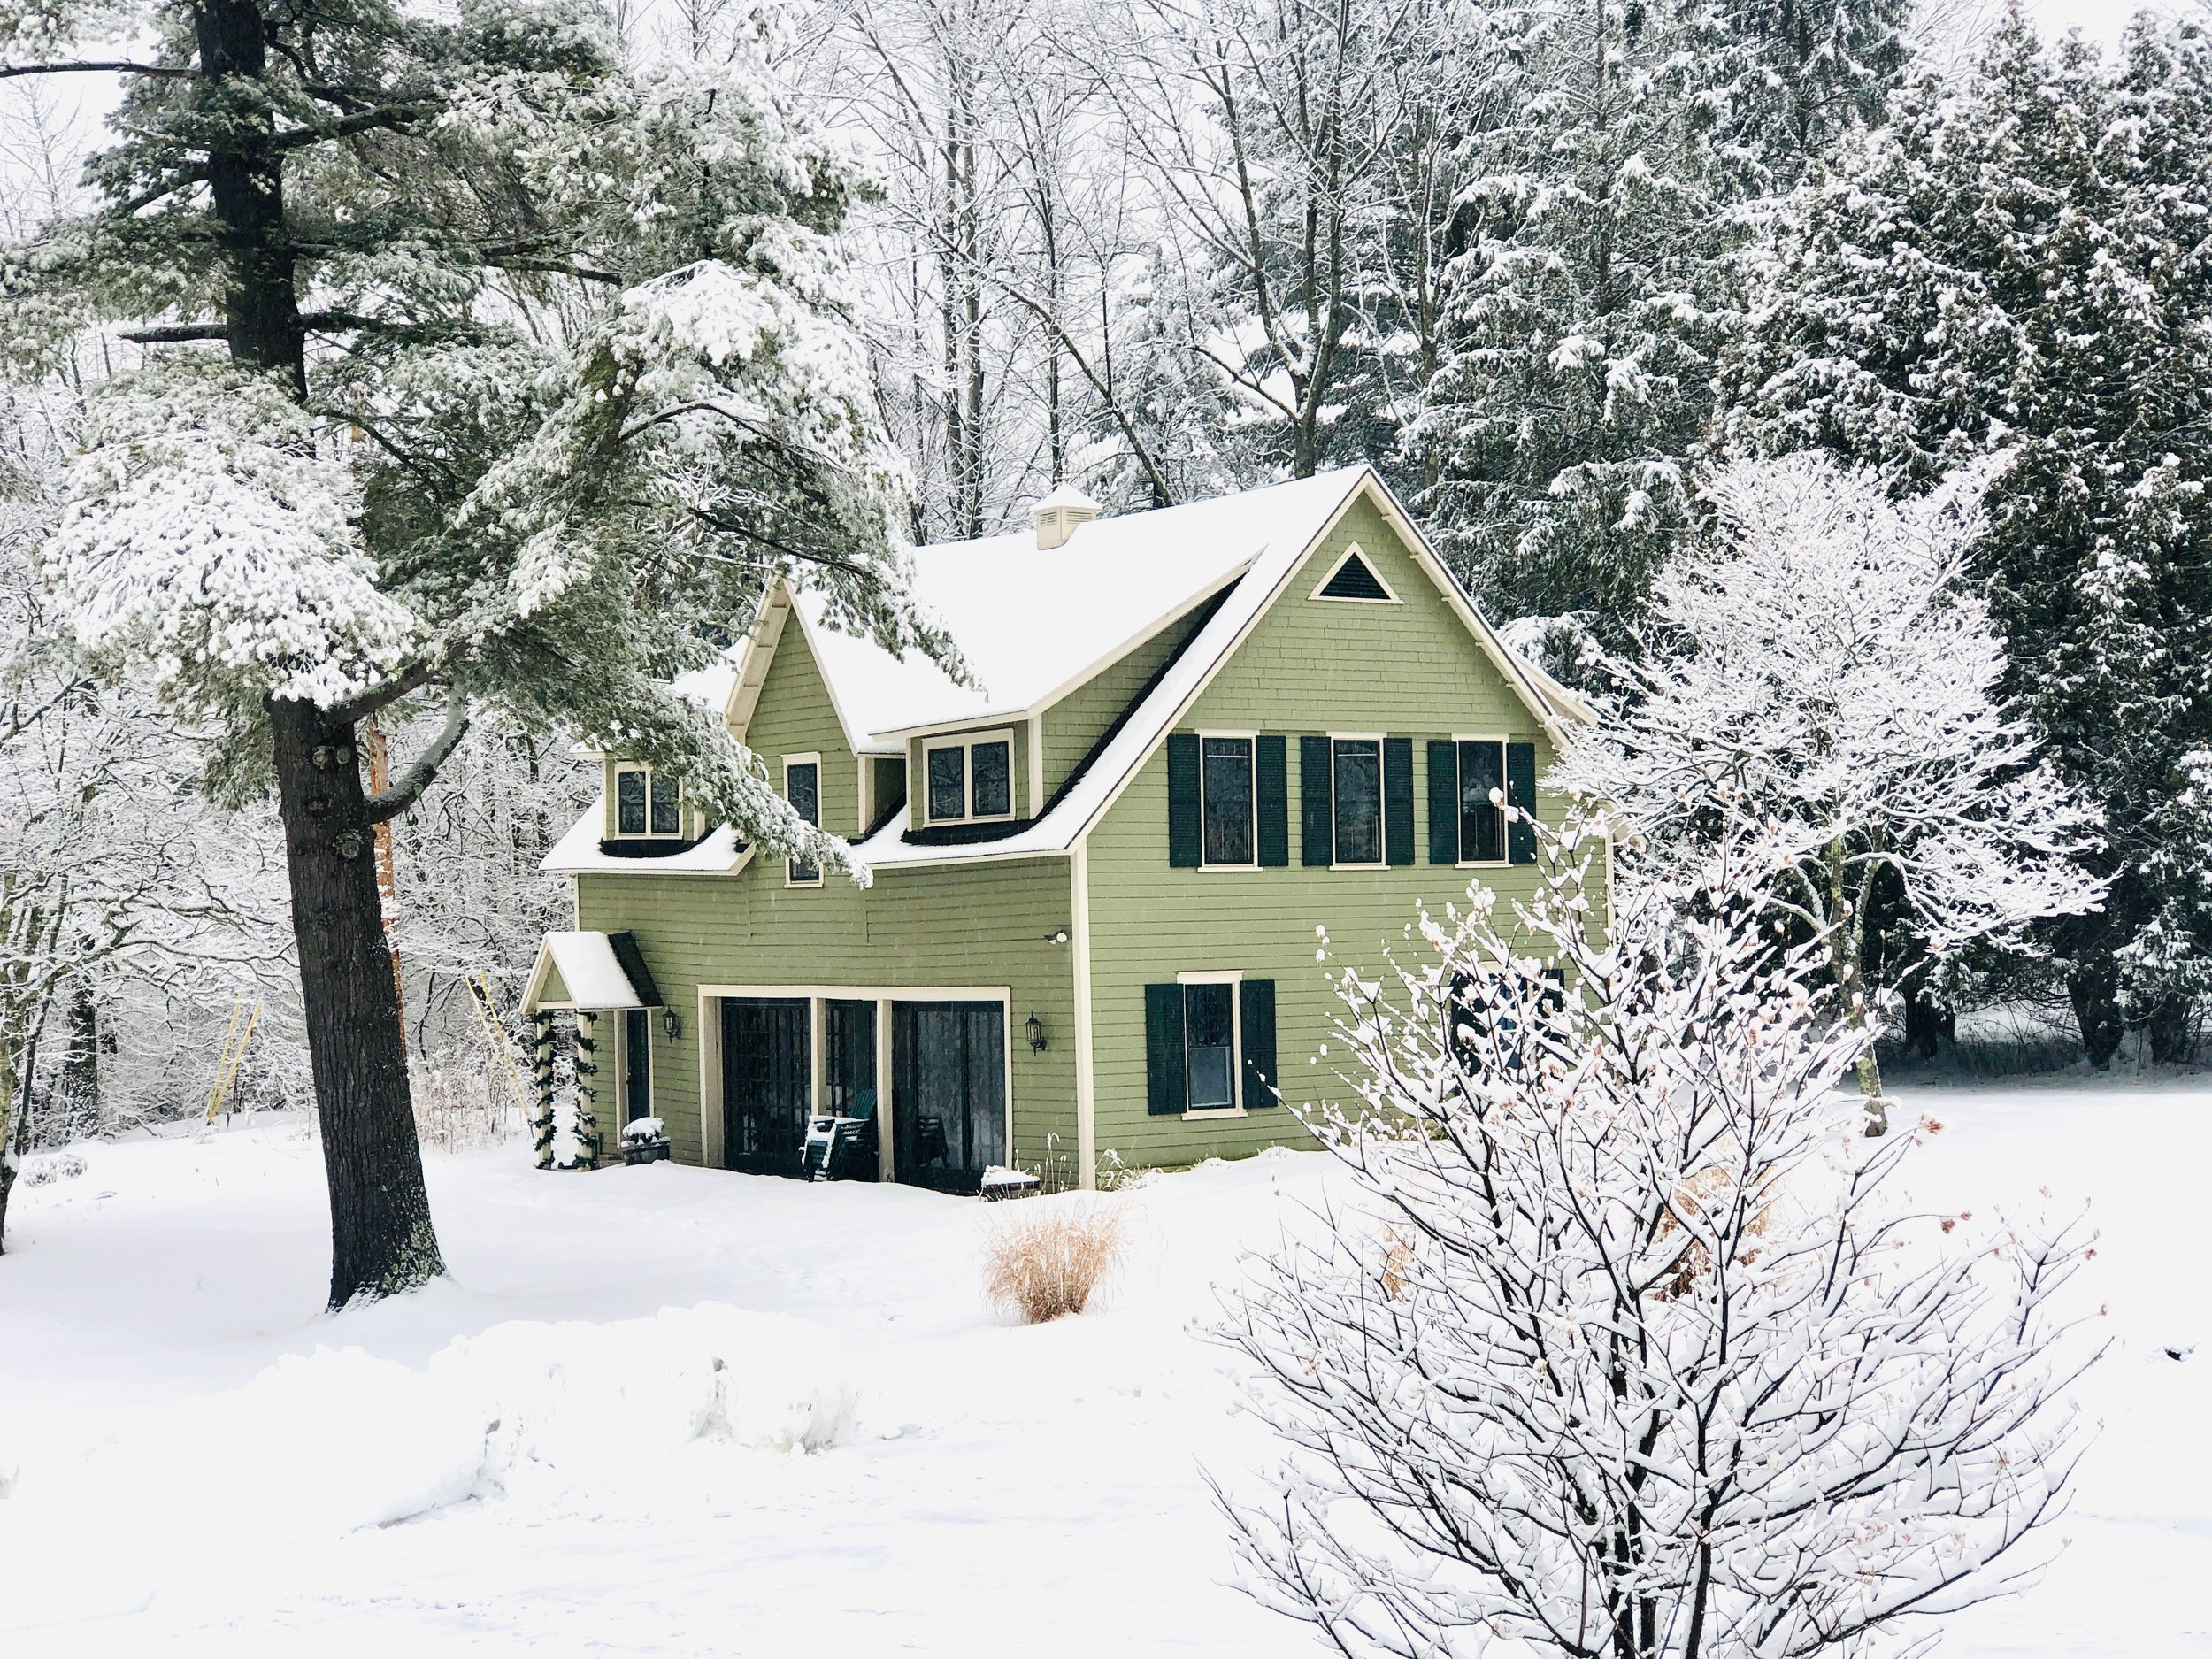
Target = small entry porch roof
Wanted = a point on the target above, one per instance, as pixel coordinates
(590, 973)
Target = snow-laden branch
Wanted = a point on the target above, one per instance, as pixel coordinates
(1624, 1345)
(407, 788)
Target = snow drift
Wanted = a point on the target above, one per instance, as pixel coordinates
(338, 1439)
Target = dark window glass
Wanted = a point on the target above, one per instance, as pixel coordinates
(629, 801)
(1481, 825)
(802, 787)
(637, 1064)
(667, 795)
(992, 771)
(1209, 1012)
(1359, 802)
(1228, 792)
(948, 783)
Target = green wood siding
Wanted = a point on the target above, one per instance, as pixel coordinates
(1412, 670)
(974, 925)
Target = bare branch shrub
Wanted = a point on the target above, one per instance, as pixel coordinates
(1623, 1346)
(1046, 1257)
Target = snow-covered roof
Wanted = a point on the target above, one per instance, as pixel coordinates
(579, 852)
(582, 971)
(1033, 623)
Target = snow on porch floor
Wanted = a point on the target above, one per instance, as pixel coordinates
(997, 1490)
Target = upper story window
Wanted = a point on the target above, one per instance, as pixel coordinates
(969, 778)
(802, 788)
(1481, 820)
(1225, 785)
(646, 804)
(1356, 764)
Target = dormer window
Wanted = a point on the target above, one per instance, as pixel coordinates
(969, 780)
(645, 804)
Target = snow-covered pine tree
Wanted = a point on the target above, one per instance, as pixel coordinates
(1620, 1343)
(1831, 678)
(2017, 263)
(1587, 309)
(509, 368)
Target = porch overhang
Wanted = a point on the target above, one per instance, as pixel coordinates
(590, 973)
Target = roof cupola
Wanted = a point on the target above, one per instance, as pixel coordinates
(1058, 513)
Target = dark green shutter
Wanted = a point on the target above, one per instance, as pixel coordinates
(1520, 791)
(1271, 789)
(1317, 833)
(1256, 1010)
(1185, 845)
(1443, 803)
(1167, 1086)
(1397, 800)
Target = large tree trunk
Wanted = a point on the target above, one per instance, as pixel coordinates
(2171, 1028)
(381, 1241)
(2096, 998)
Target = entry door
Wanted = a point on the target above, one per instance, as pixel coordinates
(948, 1092)
(767, 1082)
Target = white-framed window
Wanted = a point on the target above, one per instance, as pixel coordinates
(1213, 1045)
(968, 780)
(1228, 818)
(1481, 821)
(1355, 800)
(645, 804)
(802, 788)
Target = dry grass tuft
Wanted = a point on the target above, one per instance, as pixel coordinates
(1045, 1257)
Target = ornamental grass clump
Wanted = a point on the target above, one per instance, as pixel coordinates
(1044, 1258)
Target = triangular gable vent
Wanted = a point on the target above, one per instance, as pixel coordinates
(1354, 578)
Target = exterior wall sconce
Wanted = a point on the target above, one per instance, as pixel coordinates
(1035, 1029)
(673, 1023)
(1059, 936)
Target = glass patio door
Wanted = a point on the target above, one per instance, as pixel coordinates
(767, 1082)
(948, 1091)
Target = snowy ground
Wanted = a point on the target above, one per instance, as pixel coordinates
(986, 1490)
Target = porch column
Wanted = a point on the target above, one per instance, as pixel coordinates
(886, 1158)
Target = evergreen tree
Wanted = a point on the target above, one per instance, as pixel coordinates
(1589, 307)
(2017, 266)
(526, 368)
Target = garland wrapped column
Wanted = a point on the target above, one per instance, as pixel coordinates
(541, 1087)
(586, 1069)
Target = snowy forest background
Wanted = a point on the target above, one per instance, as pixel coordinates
(1548, 266)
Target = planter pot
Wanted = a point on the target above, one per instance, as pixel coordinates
(645, 1152)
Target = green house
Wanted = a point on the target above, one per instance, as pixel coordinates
(1195, 737)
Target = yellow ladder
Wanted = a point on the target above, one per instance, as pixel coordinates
(236, 1035)
(480, 985)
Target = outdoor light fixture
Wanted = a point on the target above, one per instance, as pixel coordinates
(1058, 936)
(673, 1023)
(1035, 1027)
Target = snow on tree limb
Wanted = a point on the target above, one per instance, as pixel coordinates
(1623, 1344)
(205, 538)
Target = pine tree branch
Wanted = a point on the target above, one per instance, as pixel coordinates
(163, 72)
(409, 787)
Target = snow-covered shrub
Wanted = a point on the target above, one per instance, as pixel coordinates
(1046, 1257)
(1622, 1345)
(48, 1167)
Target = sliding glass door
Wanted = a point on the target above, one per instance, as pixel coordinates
(948, 1091)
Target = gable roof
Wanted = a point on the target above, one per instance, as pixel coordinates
(1034, 624)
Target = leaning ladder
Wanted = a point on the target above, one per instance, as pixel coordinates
(503, 1052)
(235, 1037)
